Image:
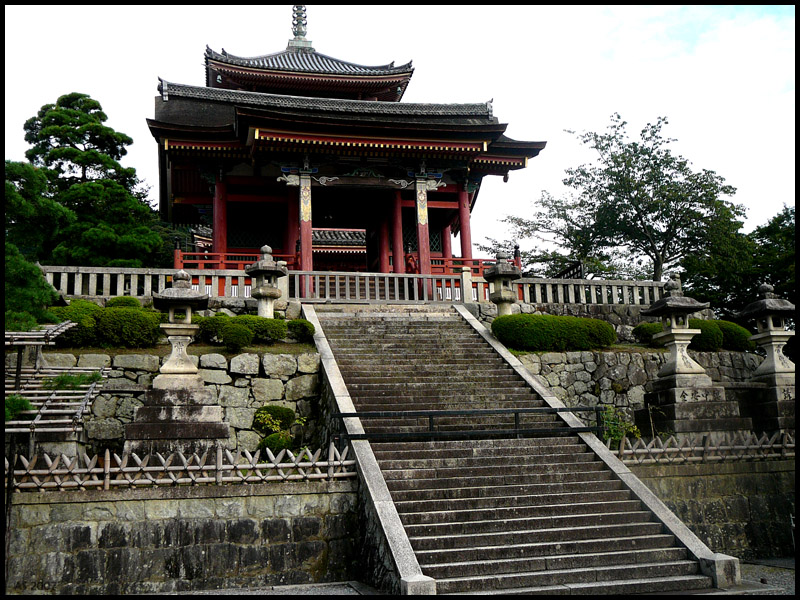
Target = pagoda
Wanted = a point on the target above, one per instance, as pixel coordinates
(319, 159)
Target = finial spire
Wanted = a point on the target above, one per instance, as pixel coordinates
(299, 29)
(299, 21)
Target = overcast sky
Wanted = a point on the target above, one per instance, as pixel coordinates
(724, 76)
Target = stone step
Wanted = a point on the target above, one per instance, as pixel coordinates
(526, 524)
(527, 489)
(511, 500)
(569, 561)
(613, 579)
(518, 512)
(486, 377)
(547, 549)
(531, 464)
(393, 470)
(479, 448)
(469, 481)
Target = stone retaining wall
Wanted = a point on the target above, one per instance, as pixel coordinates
(242, 385)
(142, 541)
(619, 379)
(738, 508)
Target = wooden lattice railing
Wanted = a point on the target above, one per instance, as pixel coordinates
(215, 467)
(734, 446)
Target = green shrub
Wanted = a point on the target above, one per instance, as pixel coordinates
(616, 425)
(301, 330)
(644, 333)
(272, 419)
(276, 442)
(123, 302)
(15, 404)
(211, 328)
(735, 337)
(552, 333)
(265, 331)
(85, 314)
(236, 336)
(127, 328)
(710, 337)
(66, 381)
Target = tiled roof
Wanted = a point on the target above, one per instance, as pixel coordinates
(338, 237)
(481, 111)
(305, 62)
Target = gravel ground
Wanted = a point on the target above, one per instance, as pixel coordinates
(776, 573)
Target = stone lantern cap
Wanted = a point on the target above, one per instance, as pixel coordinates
(674, 303)
(180, 294)
(502, 270)
(769, 304)
(266, 266)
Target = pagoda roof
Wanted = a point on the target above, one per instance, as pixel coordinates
(312, 61)
(307, 72)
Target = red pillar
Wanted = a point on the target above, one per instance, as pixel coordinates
(220, 232)
(463, 217)
(447, 246)
(423, 236)
(292, 229)
(306, 260)
(398, 254)
(383, 242)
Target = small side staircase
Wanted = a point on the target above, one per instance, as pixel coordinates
(496, 515)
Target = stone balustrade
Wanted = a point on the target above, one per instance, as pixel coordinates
(105, 282)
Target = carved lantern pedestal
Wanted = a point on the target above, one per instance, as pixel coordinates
(773, 409)
(500, 276)
(179, 413)
(684, 399)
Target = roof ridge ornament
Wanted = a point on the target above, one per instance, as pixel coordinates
(299, 29)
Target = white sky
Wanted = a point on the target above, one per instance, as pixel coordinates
(724, 76)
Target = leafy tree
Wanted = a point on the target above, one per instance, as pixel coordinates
(26, 290)
(33, 220)
(114, 225)
(637, 201)
(69, 139)
(729, 270)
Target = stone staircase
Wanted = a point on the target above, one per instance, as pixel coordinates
(501, 515)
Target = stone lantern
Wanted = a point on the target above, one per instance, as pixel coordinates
(179, 413)
(674, 310)
(684, 399)
(770, 314)
(501, 275)
(266, 273)
(772, 406)
(179, 297)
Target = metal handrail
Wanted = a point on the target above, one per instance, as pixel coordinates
(431, 414)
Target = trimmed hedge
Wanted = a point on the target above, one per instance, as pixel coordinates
(123, 302)
(281, 440)
(301, 330)
(236, 336)
(127, 328)
(265, 331)
(85, 314)
(714, 335)
(552, 333)
(735, 337)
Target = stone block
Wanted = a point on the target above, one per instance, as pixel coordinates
(240, 418)
(308, 362)
(215, 376)
(266, 390)
(278, 365)
(304, 386)
(233, 397)
(137, 362)
(94, 361)
(104, 429)
(244, 364)
(213, 361)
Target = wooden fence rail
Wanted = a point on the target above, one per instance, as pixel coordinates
(215, 467)
(735, 446)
